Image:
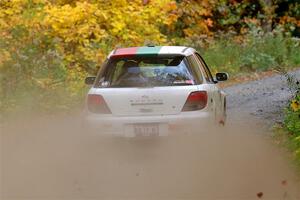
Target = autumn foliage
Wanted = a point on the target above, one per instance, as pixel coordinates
(47, 47)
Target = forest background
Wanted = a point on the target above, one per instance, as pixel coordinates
(48, 47)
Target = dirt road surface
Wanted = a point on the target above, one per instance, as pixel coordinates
(52, 158)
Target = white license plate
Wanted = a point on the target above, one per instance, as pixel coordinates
(146, 129)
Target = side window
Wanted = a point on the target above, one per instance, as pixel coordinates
(207, 72)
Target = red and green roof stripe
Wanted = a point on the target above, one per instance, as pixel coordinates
(133, 51)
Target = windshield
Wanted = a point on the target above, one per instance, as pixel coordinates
(145, 71)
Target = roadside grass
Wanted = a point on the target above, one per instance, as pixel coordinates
(288, 141)
(288, 133)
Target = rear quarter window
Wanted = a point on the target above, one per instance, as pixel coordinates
(205, 68)
(194, 65)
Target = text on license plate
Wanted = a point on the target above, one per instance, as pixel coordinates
(146, 129)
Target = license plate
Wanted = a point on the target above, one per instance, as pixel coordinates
(146, 129)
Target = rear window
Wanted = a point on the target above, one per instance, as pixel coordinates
(147, 71)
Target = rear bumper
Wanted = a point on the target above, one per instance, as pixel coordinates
(186, 122)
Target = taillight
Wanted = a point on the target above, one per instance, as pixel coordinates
(195, 101)
(97, 104)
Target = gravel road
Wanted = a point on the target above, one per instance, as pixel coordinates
(52, 158)
(264, 98)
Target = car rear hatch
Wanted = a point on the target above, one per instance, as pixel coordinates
(146, 101)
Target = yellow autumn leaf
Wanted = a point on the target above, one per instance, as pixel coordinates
(295, 105)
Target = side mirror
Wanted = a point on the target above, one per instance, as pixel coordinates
(221, 76)
(90, 80)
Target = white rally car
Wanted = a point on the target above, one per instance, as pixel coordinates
(154, 91)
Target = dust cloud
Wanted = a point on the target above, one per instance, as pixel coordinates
(55, 158)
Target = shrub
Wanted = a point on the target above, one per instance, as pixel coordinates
(253, 52)
(35, 77)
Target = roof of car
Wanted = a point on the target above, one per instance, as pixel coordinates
(152, 50)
